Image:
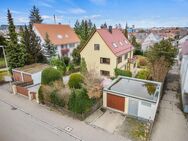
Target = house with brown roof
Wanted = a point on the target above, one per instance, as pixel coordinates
(62, 36)
(106, 50)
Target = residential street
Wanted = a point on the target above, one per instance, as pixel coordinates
(171, 124)
(23, 120)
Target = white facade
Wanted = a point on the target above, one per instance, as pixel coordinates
(184, 82)
(150, 40)
(69, 46)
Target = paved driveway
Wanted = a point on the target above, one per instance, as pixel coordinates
(29, 121)
(171, 124)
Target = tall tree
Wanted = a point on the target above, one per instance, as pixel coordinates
(49, 48)
(137, 46)
(15, 51)
(83, 30)
(161, 58)
(35, 16)
(2, 42)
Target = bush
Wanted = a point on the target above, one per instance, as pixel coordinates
(59, 63)
(40, 95)
(56, 100)
(75, 81)
(83, 67)
(142, 62)
(138, 52)
(143, 74)
(70, 67)
(79, 101)
(66, 60)
(123, 72)
(50, 75)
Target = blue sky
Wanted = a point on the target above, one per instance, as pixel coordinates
(141, 13)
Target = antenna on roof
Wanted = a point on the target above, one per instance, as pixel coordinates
(54, 19)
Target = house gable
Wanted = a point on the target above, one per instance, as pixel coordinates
(92, 57)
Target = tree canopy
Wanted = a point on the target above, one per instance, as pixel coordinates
(35, 16)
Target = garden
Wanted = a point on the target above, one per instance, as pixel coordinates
(78, 97)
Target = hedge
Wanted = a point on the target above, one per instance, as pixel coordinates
(50, 75)
(40, 95)
(143, 74)
(123, 72)
(75, 81)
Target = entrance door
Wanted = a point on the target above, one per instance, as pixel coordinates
(133, 107)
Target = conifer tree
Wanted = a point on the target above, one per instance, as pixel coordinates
(49, 48)
(35, 16)
(15, 52)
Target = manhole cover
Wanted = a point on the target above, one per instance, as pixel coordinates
(13, 108)
(68, 129)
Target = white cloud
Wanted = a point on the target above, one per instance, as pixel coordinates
(76, 11)
(45, 4)
(98, 2)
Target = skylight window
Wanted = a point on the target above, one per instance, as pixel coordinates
(114, 44)
(66, 36)
(59, 36)
(121, 43)
(126, 42)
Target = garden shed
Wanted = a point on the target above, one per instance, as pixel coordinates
(29, 73)
(133, 97)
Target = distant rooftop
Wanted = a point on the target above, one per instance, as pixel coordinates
(33, 68)
(137, 88)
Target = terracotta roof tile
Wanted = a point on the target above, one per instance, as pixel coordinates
(116, 41)
(59, 34)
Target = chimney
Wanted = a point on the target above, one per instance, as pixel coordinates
(110, 29)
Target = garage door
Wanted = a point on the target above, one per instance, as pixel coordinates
(116, 102)
(17, 76)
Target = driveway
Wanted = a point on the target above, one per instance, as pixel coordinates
(22, 120)
(108, 120)
(171, 124)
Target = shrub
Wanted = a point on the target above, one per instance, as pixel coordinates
(40, 95)
(143, 74)
(70, 67)
(66, 60)
(79, 101)
(75, 81)
(138, 52)
(83, 67)
(50, 75)
(142, 62)
(59, 64)
(123, 72)
(56, 100)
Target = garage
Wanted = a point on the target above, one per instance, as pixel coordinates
(27, 78)
(133, 97)
(115, 102)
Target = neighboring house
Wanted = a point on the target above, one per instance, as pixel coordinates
(133, 97)
(106, 50)
(150, 40)
(184, 76)
(183, 39)
(140, 37)
(27, 80)
(62, 36)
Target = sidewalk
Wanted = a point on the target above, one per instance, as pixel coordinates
(79, 128)
(171, 124)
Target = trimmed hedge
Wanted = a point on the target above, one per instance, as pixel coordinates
(75, 81)
(123, 72)
(50, 75)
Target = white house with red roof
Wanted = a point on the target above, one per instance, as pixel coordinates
(62, 36)
(106, 50)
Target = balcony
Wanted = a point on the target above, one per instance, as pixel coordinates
(65, 51)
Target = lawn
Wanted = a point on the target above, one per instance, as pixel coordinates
(2, 63)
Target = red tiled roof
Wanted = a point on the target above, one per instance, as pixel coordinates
(58, 34)
(116, 41)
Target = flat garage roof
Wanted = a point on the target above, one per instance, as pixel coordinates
(142, 89)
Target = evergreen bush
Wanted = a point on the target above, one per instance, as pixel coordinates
(75, 81)
(123, 72)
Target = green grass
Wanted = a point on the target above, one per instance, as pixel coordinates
(2, 63)
(2, 74)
